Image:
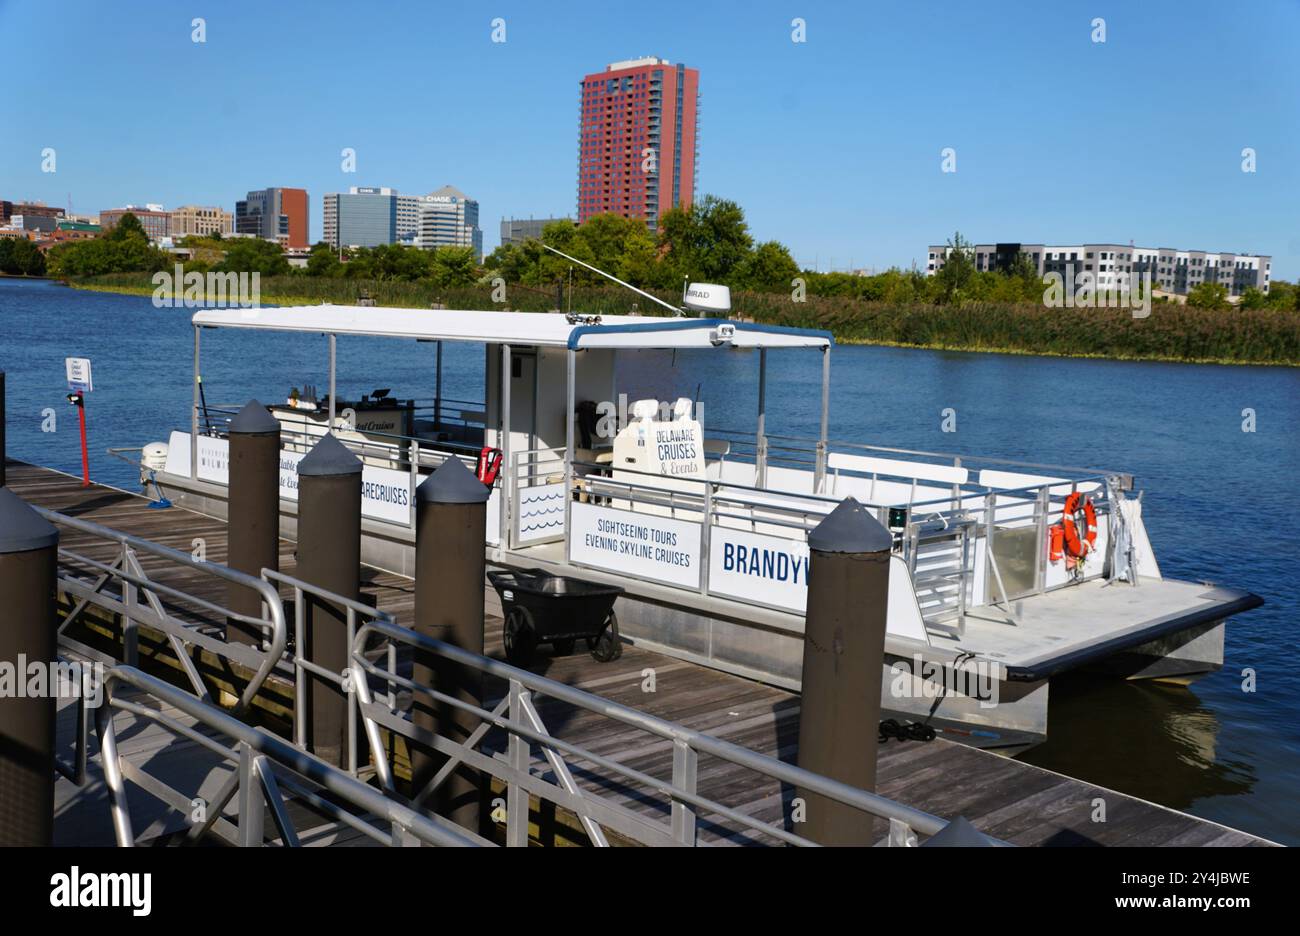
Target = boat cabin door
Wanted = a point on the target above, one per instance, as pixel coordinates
(519, 407)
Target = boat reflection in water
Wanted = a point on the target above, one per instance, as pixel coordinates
(1149, 739)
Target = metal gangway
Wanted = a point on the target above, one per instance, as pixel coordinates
(128, 578)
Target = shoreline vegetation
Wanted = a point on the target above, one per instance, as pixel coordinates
(1172, 333)
(956, 308)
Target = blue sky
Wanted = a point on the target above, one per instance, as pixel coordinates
(832, 146)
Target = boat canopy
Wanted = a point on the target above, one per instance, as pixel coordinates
(541, 329)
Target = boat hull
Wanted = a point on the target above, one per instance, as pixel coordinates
(1181, 657)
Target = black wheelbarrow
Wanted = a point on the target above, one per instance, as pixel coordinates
(543, 608)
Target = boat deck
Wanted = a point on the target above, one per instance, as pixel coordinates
(1016, 802)
(1066, 627)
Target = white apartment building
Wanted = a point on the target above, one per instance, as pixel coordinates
(1171, 270)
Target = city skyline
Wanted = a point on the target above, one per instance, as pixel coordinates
(832, 146)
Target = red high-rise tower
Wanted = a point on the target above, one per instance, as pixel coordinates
(637, 149)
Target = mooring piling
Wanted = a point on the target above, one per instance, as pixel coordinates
(451, 513)
(29, 548)
(329, 557)
(253, 527)
(843, 654)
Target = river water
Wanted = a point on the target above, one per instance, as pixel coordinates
(1217, 501)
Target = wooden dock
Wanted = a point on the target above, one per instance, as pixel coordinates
(1013, 801)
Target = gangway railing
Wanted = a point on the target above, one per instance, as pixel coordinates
(126, 588)
(516, 714)
(355, 613)
(268, 770)
(265, 767)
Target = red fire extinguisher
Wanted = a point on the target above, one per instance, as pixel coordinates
(489, 464)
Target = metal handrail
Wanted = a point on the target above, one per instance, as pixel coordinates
(968, 510)
(153, 614)
(421, 403)
(680, 790)
(1028, 492)
(403, 820)
(258, 752)
(302, 666)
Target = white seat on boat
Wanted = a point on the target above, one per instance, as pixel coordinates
(897, 467)
(1012, 481)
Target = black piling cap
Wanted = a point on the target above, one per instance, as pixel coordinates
(254, 419)
(21, 528)
(958, 834)
(452, 483)
(850, 528)
(329, 457)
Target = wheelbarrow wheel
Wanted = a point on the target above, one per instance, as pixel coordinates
(606, 647)
(564, 646)
(519, 635)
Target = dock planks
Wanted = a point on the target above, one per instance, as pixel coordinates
(1017, 802)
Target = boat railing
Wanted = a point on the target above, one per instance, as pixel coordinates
(802, 452)
(394, 450)
(975, 545)
(444, 411)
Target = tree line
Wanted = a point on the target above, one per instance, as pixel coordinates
(20, 257)
(708, 241)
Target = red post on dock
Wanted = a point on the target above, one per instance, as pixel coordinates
(451, 514)
(843, 656)
(329, 557)
(29, 547)
(78, 399)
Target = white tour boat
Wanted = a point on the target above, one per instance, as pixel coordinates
(1003, 574)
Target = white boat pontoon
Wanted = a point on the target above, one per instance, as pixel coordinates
(705, 527)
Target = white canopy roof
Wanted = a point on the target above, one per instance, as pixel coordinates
(551, 329)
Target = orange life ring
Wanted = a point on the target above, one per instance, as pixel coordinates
(1075, 547)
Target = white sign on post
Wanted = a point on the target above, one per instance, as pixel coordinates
(78, 370)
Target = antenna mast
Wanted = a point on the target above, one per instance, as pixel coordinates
(670, 307)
